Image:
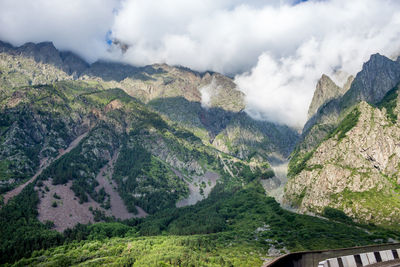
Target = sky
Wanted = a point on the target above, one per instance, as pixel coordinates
(276, 50)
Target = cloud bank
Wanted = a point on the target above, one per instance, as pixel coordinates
(276, 50)
(76, 25)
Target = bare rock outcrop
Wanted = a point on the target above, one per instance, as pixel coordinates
(358, 173)
(326, 90)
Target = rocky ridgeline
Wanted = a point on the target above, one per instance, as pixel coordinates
(349, 154)
(378, 75)
(325, 91)
(207, 104)
(170, 132)
(145, 83)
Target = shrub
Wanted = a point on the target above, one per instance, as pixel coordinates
(346, 124)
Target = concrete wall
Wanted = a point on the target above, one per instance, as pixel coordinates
(313, 258)
(362, 259)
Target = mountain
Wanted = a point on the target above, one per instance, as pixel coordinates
(330, 113)
(348, 159)
(165, 89)
(51, 103)
(327, 90)
(114, 164)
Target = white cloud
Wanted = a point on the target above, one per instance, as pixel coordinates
(277, 49)
(346, 33)
(285, 47)
(76, 25)
(222, 35)
(207, 92)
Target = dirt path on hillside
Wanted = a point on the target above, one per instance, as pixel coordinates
(118, 208)
(44, 164)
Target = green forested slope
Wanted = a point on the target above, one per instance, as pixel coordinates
(232, 227)
(153, 154)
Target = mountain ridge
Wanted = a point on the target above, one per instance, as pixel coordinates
(337, 155)
(148, 84)
(143, 165)
(331, 112)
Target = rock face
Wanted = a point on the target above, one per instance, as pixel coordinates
(150, 121)
(355, 171)
(348, 83)
(325, 91)
(175, 92)
(347, 166)
(378, 75)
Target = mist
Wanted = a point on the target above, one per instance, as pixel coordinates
(276, 51)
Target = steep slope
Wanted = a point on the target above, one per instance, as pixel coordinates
(326, 90)
(158, 161)
(108, 142)
(356, 169)
(236, 226)
(207, 104)
(378, 75)
(325, 170)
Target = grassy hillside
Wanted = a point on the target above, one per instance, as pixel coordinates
(89, 142)
(233, 227)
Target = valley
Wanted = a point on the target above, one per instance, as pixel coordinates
(114, 164)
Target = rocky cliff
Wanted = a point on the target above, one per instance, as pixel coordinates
(203, 103)
(325, 91)
(107, 134)
(377, 76)
(356, 169)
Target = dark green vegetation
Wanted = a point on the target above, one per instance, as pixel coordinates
(159, 148)
(149, 179)
(298, 162)
(389, 102)
(336, 215)
(231, 227)
(346, 124)
(242, 210)
(20, 231)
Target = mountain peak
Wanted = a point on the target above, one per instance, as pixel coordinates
(46, 44)
(378, 75)
(326, 90)
(376, 55)
(44, 52)
(4, 46)
(49, 46)
(348, 83)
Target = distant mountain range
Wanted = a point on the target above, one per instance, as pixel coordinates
(106, 150)
(50, 98)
